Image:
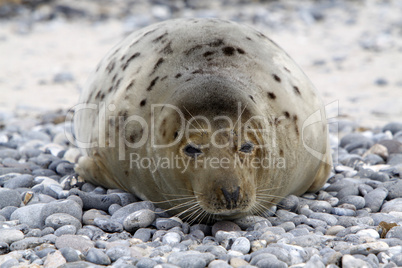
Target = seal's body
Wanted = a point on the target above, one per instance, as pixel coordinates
(208, 117)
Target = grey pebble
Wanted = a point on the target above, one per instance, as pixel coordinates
(392, 205)
(143, 234)
(7, 211)
(167, 223)
(108, 225)
(58, 220)
(28, 242)
(355, 200)
(146, 263)
(77, 242)
(394, 127)
(89, 216)
(29, 215)
(242, 245)
(395, 232)
(98, 256)
(138, 219)
(9, 197)
(290, 203)
(96, 201)
(61, 206)
(71, 255)
(9, 153)
(22, 181)
(10, 236)
(191, 259)
(66, 229)
(121, 214)
(343, 212)
(375, 198)
(321, 206)
(171, 238)
(117, 252)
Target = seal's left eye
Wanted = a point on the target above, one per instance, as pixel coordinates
(191, 150)
(247, 147)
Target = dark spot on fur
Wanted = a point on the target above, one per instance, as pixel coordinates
(297, 91)
(295, 118)
(178, 75)
(110, 89)
(159, 38)
(271, 95)
(97, 68)
(130, 59)
(208, 53)
(189, 79)
(110, 66)
(118, 83)
(130, 85)
(241, 51)
(228, 51)
(164, 133)
(176, 134)
(152, 84)
(248, 38)
(277, 78)
(191, 50)
(280, 152)
(251, 97)
(157, 65)
(198, 71)
(287, 115)
(97, 96)
(143, 102)
(163, 78)
(126, 173)
(216, 43)
(167, 49)
(114, 78)
(286, 69)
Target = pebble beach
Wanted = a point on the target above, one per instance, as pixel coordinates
(49, 217)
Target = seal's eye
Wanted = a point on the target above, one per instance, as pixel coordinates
(247, 147)
(191, 150)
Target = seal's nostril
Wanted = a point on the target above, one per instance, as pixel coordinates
(231, 197)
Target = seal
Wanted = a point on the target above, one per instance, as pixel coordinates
(205, 117)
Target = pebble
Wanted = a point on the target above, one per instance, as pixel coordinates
(58, 220)
(98, 256)
(167, 223)
(9, 197)
(242, 245)
(121, 214)
(10, 236)
(108, 225)
(77, 242)
(70, 254)
(139, 219)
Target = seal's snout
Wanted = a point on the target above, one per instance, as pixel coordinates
(232, 197)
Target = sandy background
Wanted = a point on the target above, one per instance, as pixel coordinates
(352, 51)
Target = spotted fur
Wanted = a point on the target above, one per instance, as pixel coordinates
(154, 65)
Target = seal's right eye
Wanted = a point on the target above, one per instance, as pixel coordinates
(191, 150)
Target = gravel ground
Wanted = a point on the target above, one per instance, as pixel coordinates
(48, 217)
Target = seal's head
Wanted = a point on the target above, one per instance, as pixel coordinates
(218, 142)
